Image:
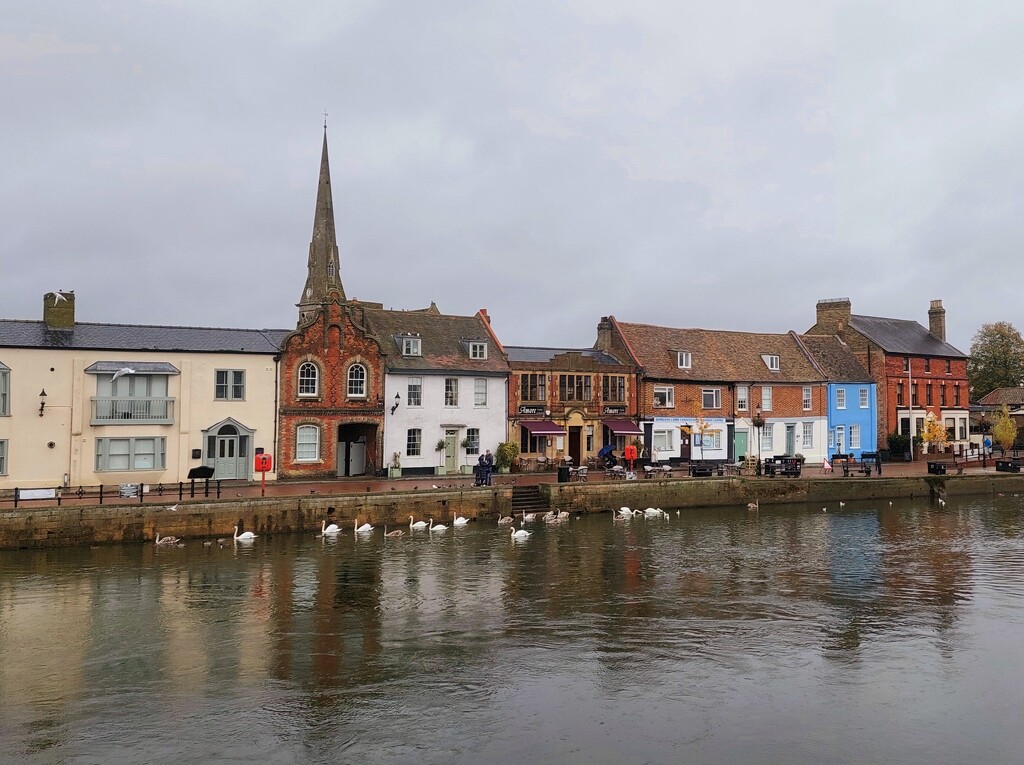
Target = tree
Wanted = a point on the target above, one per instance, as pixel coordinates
(1004, 429)
(997, 359)
(934, 433)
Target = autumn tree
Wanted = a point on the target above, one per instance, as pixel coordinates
(934, 433)
(997, 359)
(1004, 429)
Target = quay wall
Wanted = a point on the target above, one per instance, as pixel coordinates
(50, 526)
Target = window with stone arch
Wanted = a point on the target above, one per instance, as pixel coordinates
(309, 379)
(357, 381)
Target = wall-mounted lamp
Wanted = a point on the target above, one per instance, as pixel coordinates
(42, 401)
(398, 400)
(547, 412)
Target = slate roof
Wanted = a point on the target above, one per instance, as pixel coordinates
(834, 358)
(444, 342)
(1000, 396)
(531, 355)
(902, 336)
(139, 337)
(717, 355)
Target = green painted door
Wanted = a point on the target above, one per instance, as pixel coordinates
(741, 444)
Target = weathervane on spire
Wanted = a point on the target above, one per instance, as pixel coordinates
(325, 119)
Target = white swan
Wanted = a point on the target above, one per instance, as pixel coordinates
(164, 541)
(520, 533)
(417, 525)
(460, 521)
(563, 515)
(505, 519)
(755, 505)
(528, 517)
(393, 534)
(326, 530)
(616, 518)
(361, 529)
(624, 511)
(245, 536)
(436, 527)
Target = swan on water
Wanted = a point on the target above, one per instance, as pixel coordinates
(392, 534)
(417, 524)
(436, 526)
(616, 518)
(755, 505)
(164, 541)
(326, 530)
(624, 511)
(361, 529)
(505, 519)
(528, 517)
(520, 533)
(460, 521)
(245, 536)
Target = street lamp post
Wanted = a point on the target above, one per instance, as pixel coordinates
(758, 422)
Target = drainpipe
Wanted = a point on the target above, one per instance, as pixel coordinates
(277, 413)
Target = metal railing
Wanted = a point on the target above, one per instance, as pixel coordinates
(116, 410)
(119, 493)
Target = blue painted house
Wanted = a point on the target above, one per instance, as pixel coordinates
(852, 396)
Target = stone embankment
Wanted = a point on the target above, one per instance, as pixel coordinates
(102, 524)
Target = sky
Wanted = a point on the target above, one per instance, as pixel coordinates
(720, 165)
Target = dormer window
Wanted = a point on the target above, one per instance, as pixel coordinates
(411, 346)
(771, 361)
(683, 359)
(478, 351)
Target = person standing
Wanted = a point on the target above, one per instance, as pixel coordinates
(878, 463)
(488, 467)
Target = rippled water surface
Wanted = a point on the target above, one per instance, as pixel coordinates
(865, 634)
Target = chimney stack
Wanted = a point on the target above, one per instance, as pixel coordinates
(937, 320)
(604, 335)
(833, 315)
(59, 310)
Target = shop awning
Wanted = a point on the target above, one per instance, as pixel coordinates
(623, 427)
(542, 428)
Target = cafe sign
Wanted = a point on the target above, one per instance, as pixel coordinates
(531, 409)
(614, 410)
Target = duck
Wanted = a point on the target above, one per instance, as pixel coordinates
(459, 521)
(505, 519)
(520, 533)
(326, 530)
(393, 534)
(417, 524)
(245, 536)
(361, 529)
(165, 541)
(436, 526)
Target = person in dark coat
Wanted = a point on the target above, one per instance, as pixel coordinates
(878, 463)
(480, 470)
(488, 467)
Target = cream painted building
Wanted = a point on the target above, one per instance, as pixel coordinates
(89, 404)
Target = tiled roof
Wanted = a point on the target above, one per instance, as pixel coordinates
(529, 354)
(1000, 396)
(717, 355)
(834, 358)
(444, 341)
(137, 337)
(902, 336)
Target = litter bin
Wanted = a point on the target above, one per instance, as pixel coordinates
(563, 474)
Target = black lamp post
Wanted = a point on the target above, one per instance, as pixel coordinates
(758, 422)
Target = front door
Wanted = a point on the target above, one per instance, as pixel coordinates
(684, 444)
(226, 462)
(840, 439)
(574, 443)
(741, 444)
(791, 440)
(451, 451)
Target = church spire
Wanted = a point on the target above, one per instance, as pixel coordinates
(323, 279)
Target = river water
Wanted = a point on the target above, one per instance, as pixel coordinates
(865, 634)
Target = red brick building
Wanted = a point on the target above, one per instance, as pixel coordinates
(332, 376)
(916, 371)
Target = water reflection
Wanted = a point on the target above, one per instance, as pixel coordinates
(700, 637)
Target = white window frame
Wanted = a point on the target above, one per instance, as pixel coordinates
(712, 439)
(771, 361)
(356, 386)
(840, 398)
(308, 380)
(715, 395)
(480, 392)
(232, 388)
(808, 398)
(684, 360)
(841, 445)
(134, 453)
(766, 398)
(414, 442)
(412, 346)
(662, 440)
(831, 438)
(668, 392)
(5, 390)
(307, 449)
(854, 436)
(473, 436)
(864, 399)
(768, 436)
(414, 392)
(807, 435)
(451, 392)
(478, 351)
(742, 398)
(3, 456)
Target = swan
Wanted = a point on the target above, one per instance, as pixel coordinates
(755, 505)
(520, 533)
(460, 521)
(165, 541)
(842, 504)
(529, 517)
(505, 519)
(326, 530)
(624, 511)
(417, 525)
(619, 518)
(436, 527)
(245, 536)
(652, 512)
(393, 534)
(563, 515)
(942, 502)
(361, 529)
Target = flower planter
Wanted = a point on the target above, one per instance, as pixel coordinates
(394, 472)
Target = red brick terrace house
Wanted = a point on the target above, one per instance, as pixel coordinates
(723, 379)
(332, 377)
(915, 369)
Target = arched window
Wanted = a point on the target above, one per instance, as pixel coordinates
(357, 381)
(330, 269)
(309, 379)
(307, 443)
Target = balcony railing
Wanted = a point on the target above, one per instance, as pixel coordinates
(119, 410)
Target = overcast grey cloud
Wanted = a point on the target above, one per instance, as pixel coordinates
(721, 165)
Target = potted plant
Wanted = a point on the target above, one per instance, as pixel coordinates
(506, 455)
(439, 447)
(395, 468)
